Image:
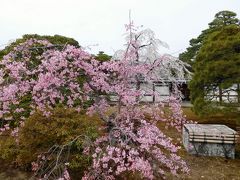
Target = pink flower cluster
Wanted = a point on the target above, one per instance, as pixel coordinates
(139, 147)
(49, 79)
(132, 142)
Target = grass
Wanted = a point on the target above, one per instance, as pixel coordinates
(229, 119)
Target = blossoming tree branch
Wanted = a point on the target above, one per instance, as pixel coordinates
(70, 76)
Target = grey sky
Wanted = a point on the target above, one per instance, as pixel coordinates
(102, 21)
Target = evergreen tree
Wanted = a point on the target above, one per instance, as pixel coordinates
(216, 70)
(222, 19)
(101, 56)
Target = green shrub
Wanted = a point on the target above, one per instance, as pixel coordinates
(40, 133)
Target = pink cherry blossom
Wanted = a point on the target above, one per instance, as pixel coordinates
(132, 142)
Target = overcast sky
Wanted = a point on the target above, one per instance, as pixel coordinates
(101, 22)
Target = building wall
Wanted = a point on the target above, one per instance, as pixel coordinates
(229, 95)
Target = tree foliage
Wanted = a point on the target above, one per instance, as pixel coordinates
(55, 40)
(101, 56)
(132, 142)
(222, 19)
(39, 133)
(216, 70)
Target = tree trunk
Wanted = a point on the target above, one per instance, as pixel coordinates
(154, 98)
(238, 92)
(220, 94)
(138, 85)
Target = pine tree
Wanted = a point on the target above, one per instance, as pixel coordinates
(222, 19)
(216, 70)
